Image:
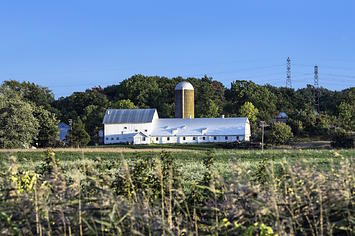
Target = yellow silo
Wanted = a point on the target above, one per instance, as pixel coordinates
(184, 100)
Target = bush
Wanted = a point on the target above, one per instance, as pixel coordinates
(342, 139)
(280, 133)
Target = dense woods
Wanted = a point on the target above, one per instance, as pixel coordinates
(31, 112)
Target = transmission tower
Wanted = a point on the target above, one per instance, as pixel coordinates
(288, 74)
(316, 87)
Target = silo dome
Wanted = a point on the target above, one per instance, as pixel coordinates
(184, 85)
(184, 100)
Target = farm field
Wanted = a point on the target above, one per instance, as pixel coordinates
(153, 191)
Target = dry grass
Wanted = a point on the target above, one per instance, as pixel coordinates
(150, 197)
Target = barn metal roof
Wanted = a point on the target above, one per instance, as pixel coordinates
(199, 126)
(122, 116)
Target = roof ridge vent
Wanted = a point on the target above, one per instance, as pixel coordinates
(204, 130)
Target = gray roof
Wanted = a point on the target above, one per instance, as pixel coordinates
(200, 126)
(281, 115)
(121, 116)
(184, 85)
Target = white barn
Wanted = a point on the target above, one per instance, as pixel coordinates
(143, 126)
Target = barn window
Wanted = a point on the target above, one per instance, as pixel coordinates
(136, 130)
(193, 138)
(183, 138)
(125, 127)
(214, 138)
(157, 139)
(237, 137)
(106, 138)
(204, 138)
(226, 138)
(145, 130)
(168, 138)
(111, 138)
(143, 138)
(117, 138)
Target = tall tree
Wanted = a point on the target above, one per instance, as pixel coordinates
(31, 92)
(92, 117)
(261, 97)
(209, 96)
(123, 104)
(346, 116)
(18, 126)
(211, 109)
(48, 127)
(77, 136)
(248, 110)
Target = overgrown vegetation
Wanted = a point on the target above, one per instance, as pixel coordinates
(212, 192)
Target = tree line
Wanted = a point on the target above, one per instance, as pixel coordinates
(29, 113)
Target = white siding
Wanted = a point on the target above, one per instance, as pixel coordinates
(247, 132)
(198, 139)
(139, 139)
(112, 139)
(115, 130)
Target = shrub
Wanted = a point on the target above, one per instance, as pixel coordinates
(342, 139)
(280, 133)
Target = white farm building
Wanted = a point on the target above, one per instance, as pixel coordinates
(143, 126)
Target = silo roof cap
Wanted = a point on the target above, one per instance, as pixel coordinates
(184, 85)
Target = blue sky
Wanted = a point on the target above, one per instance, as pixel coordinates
(73, 45)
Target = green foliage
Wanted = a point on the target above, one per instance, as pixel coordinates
(245, 91)
(74, 105)
(296, 126)
(33, 93)
(342, 139)
(209, 97)
(48, 127)
(261, 172)
(92, 118)
(211, 109)
(280, 133)
(77, 136)
(346, 116)
(323, 124)
(123, 104)
(303, 121)
(248, 110)
(18, 126)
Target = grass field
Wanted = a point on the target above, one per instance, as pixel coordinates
(139, 191)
